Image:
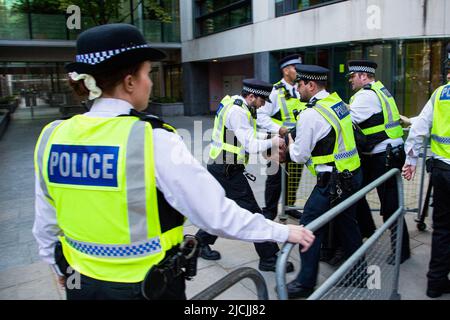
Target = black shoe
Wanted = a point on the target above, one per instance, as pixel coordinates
(270, 265)
(296, 290)
(294, 214)
(437, 291)
(208, 254)
(337, 259)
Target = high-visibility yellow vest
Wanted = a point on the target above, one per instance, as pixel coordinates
(391, 116)
(345, 155)
(289, 106)
(440, 131)
(224, 140)
(99, 175)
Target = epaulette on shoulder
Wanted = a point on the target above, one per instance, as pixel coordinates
(279, 85)
(238, 102)
(155, 121)
(368, 87)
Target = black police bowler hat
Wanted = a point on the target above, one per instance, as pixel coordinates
(111, 46)
(361, 66)
(258, 88)
(292, 59)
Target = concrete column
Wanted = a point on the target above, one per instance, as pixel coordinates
(196, 88)
(266, 67)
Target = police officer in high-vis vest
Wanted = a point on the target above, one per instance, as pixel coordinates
(278, 116)
(435, 119)
(235, 137)
(115, 185)
(374, 109)
(326, 144)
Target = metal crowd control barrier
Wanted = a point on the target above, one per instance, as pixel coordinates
(298, 184)
(231, 279)
(380, 255)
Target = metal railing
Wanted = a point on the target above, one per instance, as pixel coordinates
(351, 279)
(298, 184)
(231, 279)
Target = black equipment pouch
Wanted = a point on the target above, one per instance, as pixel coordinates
(60, 260)
(229, 170)
(389, 156)
(345, 180)
(335, 188)
(161, 275)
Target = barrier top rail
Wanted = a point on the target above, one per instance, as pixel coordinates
(327, 217)
(231, 279)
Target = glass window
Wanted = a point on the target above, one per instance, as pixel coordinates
(416, 82)
(216, 16)
(283, 7)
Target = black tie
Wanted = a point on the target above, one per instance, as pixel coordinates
(294, 94)
(312, 103)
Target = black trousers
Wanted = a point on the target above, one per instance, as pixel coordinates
(273, 186)
(439, 267)
(237, 189)
(345, 225)
(93, 289)
(373, 167)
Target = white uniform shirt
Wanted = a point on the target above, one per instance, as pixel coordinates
(311, 128)
(421, 128)
(265, 113)
(187, 186)
(365, 104)
(237, 121)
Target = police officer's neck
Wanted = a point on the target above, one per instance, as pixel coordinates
(288, 81)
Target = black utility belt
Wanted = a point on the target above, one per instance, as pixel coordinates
(394, 150)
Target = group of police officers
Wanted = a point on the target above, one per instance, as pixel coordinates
(110, 197)
(324, 141)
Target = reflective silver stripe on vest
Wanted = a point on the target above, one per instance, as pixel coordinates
(441, 140)
(389, 109)
(337, 124)
(40, 155)
(135, 174)
(136, 249)
(217, 140)
(286, 117)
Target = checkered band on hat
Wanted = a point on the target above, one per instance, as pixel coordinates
(313, 77)
(361, 69)
(256, 91)
(98, 57)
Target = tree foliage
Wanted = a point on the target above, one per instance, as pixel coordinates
(100, 11)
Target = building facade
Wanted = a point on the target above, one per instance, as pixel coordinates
(225, 41)
(36, 41)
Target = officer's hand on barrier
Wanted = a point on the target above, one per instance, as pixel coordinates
(301, 235)
(408, 171)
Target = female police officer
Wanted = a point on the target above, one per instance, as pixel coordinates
(110, 186)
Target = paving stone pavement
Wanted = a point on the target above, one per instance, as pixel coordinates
(24, 276)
